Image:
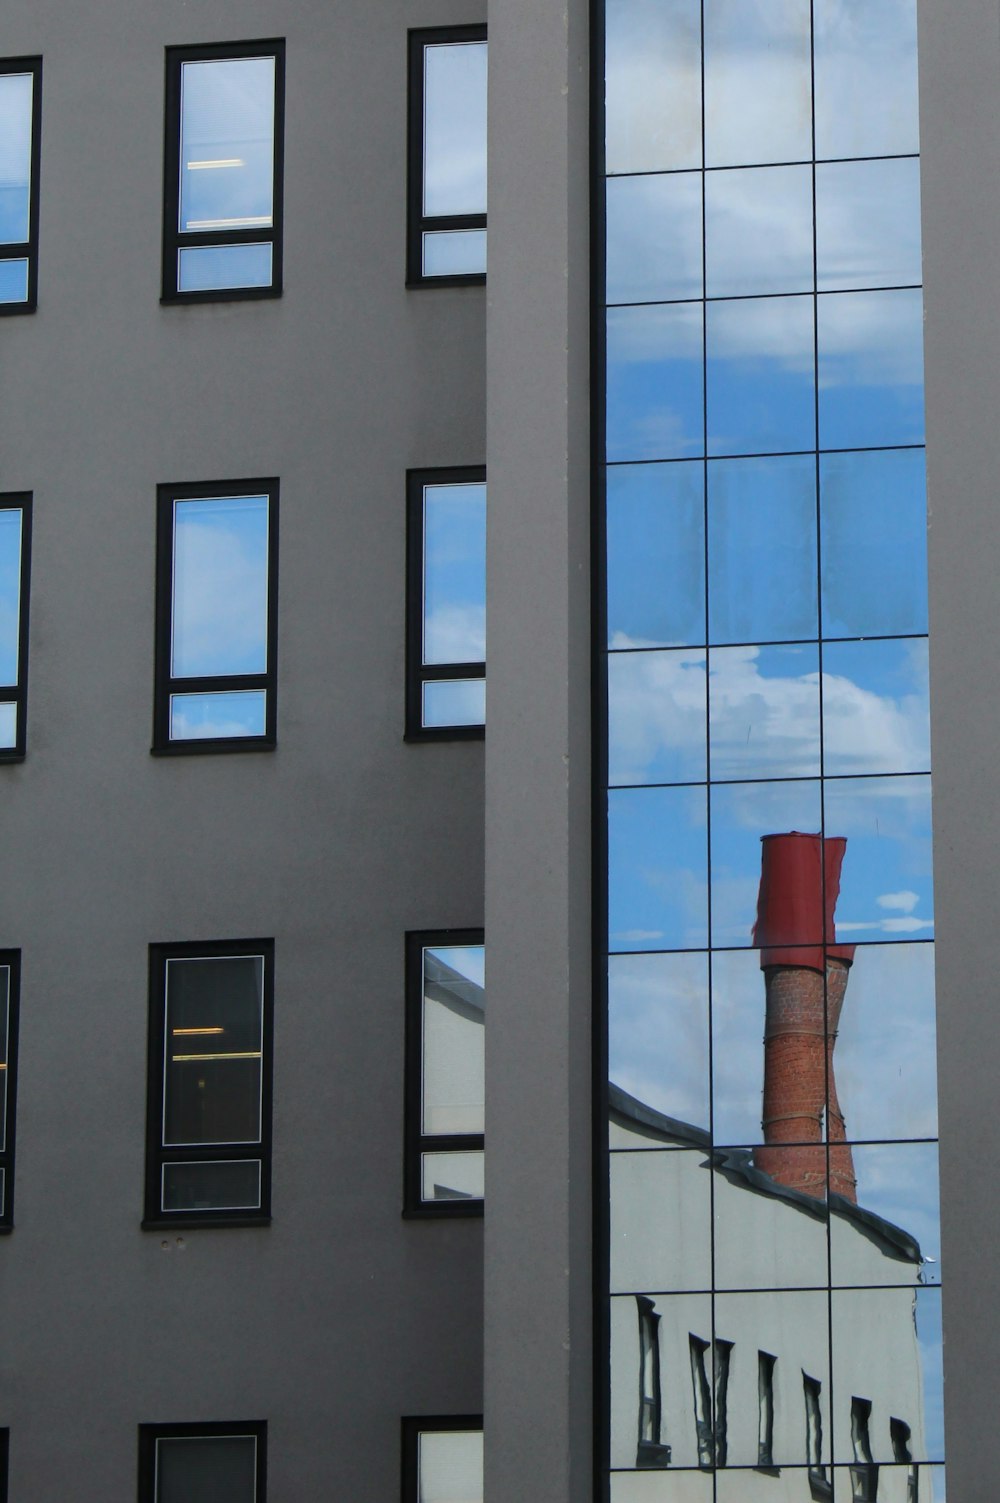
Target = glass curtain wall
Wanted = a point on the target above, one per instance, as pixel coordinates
(774, 1267)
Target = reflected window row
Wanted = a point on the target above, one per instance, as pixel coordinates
(224, 168)
(841, 226)
(906, 1482)
(216, 615)
(767, 550)
(772, 375)
(777, 1380)
(757, 84)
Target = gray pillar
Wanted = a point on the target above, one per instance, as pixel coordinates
(960, 129)
(538, 1362)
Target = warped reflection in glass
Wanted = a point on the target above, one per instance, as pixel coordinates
(742, 813)
(764, 717)
(767, 1237)
(886, 886)
(897, 1182)
(658, 1036)
(656, 555)
(886, 1048)
(762, 549)
(887, 1346)
(668, 1193)
(681, 1316)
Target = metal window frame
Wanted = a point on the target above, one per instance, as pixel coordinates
(419, 673)
(412, 1427)
(17, 694)
(416, 1142)
(165, 685)
(175, 239)
(651, 1452)
(416, 221)
(27, 249)
(150, 1434)
(4, 1462)
(11, 961)
(157, 1153)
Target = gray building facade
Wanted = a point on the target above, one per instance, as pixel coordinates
(341, 1316)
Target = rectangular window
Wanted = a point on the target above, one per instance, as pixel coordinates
(445, 1066)
(651, 1452)
(201, 1462)
(216, 616)
(446, 604)
(699, 1350)
(223, 171)
(208, 1131)
(812, 1390)
(20, 150)
(864, 1473)
(10, 979)
(447, 192)
(765, 1409)
(15, 556)
(443, 1459)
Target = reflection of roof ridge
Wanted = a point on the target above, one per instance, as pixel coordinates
(737, 1165)
(448, 986)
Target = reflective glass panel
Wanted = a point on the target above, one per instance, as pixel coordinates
(206, 268)
(759, 231)
(8, 725)
(451, 1466)
(757, 82)
(659, 1487)
(10, 593)
(452, 1176)
(656, 555)
(455, 128)
(768, 1233)
(866, 78)
(4, 1045)
(454, 701)
(229, 1185)
(761, 397)
(764, 712)
(195, 717)
(886, 1058)
(658, 872)
(898, 1183)
(13, 281)
(895, 1483)
(794, 1327)
(654, 238)
(453, 253)
(871, 369)
(656, 717)
(655, 406)
(212, 1066)
(886, 889)
(868, 224)
(227, 144)
(738, 998)
(762, 549)
(206, 1469)
(873, 529)
(454, 615)
(15, 157)
(661, 1220)
(658, 1038)
(219, 605)
(653, 84)
(681, 1317)
(742, 813)
(878, 1354)
(875, 708)
(453, 1040)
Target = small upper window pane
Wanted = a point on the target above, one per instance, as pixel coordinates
(15, 156)
(455, 128)
(451, 1466)
(206, 1469)
(227, 144)
(220, 586)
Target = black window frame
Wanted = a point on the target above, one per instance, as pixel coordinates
(174, 239)
(416, 221)
(149, 1434)
(10, 960)
(164, 684)
(4, 1461)
(416, 1143)
(413, 1426)
(28, 249)
(418, 672)
(18, 694)
(157, 1153)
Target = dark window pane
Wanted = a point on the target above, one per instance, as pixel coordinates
(212, 1077)
(206, 1469)
(229, 1185)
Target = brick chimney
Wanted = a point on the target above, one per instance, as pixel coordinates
(805, 978)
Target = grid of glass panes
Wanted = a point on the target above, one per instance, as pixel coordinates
(767, 674)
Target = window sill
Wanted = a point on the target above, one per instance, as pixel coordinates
(459, 279)
(444, 1210)
(194, 748)
(193, 1222)
(220, 295)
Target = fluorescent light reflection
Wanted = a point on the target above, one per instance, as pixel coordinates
(237, 1054)
(221, 162)
(239, 222)
(178, 1031)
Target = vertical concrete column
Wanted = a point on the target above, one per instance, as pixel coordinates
(960, 185)
(538, 1341)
